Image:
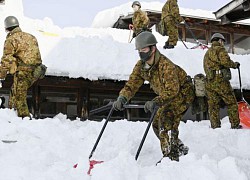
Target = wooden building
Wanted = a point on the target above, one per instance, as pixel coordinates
(235, 10)
(76, 97)
(202, 28)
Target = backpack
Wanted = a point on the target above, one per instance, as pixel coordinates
(199, 84)
(40, 71)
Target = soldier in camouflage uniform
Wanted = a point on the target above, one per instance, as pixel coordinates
(140, 19)
(21, 56)
(217, 64)
(171, 18)
(173, 87)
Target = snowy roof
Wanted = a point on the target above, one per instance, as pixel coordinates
(104, 53)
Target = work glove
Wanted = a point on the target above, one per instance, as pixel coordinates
(149, 106)
(118, 104)
(237, 64)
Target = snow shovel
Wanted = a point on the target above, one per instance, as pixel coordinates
(94, 162)
(243, 108)
(95, 111)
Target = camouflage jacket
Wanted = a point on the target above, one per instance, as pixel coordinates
(140, 21)
(216, 59)
(171, 11)
(164, 76)
(20, 48)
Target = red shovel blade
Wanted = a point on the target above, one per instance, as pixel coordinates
(91, 165)
(244, 114)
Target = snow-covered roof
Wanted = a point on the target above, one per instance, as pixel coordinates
(104, 53)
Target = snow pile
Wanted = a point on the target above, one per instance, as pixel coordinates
(107, 18)
(104, 53)
(48, 149)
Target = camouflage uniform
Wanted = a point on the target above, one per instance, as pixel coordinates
(171, 18)
(175, 93)
(21, 50)
(217, 60)
(140, 21)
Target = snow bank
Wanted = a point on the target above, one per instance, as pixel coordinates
(48, 149)
(104, 53)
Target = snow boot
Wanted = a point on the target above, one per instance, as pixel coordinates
(168, 46)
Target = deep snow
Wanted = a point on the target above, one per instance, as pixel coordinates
(47, 149)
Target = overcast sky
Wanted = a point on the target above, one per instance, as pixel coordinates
(81, 12)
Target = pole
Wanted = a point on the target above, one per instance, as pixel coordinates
(194, 37)
(241, 91)
(129, 36)
(183, 42)
(100, 135)
(146, 132)
(128, 106)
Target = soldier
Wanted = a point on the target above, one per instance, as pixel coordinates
(171, 18)
(173, 88)
(217, 64)
(140, 19)
(21, 56)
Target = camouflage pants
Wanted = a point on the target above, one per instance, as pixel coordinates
(165, 126)
(168, 117)
(172, 31)
(217, 91)
(22, 81)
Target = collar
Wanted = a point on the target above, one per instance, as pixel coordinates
(156, 62)
(17, 29)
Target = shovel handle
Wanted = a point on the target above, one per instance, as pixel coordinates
(241, 91)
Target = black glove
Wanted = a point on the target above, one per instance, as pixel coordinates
(149, 106)
(118, 104)
(237, 64)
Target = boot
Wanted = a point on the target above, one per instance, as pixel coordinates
(237, 127)
(174, 146)
(168, 46)
(164, 140)
(183, 150)
(174, 153)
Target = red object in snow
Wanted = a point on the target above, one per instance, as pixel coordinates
(244, 114)
(91, 165)
(200, 46)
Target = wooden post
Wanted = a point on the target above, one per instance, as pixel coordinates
(80, 102)
(232, 42)
(184, 35)
(36, 95)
